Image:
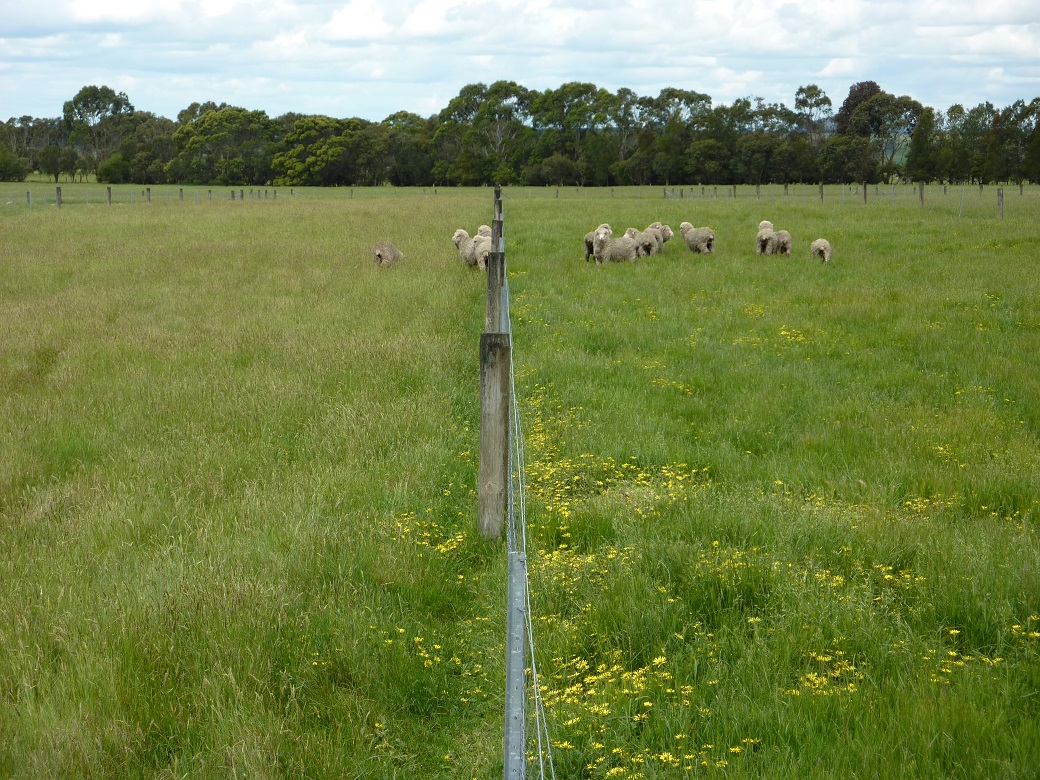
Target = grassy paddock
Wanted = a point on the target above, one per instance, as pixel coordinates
(784, 514)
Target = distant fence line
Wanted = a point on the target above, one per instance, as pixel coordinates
(985, 199)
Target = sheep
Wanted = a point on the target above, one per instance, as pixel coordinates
(484, 230)
(386, 254)
(700, 240)
(468, 248)
(606, 247)
(783, 243)
(765, 241)
(821, 248)
(482, 249)
(646, 242)
(665, 231)
(589, 240)
(765, 223)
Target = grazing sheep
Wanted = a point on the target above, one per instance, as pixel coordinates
(606, 247)
(765, 242)
(700, 240)
(589, 240)
(386, 254)
(646, 242)
(665, 231)
(765, 223)
(468, 248)
(482, 249)
(783, 243)
(484, 230)
(821, 248)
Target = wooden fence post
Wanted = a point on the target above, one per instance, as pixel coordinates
(864, 193)
(493, 490)
(148, 194)
(920, 192)
(1000, 202)
(821, 191)
(57, 196)
(109, 195)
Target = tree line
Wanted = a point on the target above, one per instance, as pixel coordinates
(577, 134)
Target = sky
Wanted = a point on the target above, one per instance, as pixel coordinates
(373, 58)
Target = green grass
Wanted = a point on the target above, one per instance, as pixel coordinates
(783, 515)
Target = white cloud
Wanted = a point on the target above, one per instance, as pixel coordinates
(358, 20)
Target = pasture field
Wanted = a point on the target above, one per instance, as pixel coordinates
(783, 516)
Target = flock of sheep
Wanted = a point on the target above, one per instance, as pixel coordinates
(605, 247)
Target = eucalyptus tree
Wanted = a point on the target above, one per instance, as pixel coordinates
(96, 120)
(814, 109)
(226, 146)
(409, 148)
(922, 158)
(566, 117)
(322, 151)
(890, 120)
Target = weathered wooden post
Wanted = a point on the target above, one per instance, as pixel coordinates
(241, 194)
(821, 192)
(148, 194)
(109, 195)
(785, 189)
(232, 194)
(180, 193)
(864, 193)
(920, 192)
(28, 198)
(57, 196)
(495, 360)
(495, 388)
(1000, 202)
(758, 192)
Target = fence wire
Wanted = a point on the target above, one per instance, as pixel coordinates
(516, 546)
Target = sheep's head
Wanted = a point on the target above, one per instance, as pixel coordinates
(460, 236)
(602, 234)
(632, 232)
(765, 224)
(685, 228)
(484, 230)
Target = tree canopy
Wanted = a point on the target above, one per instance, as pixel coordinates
(576, 134)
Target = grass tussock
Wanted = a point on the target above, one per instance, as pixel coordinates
(783, 516)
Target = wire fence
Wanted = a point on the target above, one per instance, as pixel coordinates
(964, 199)
(524, 707)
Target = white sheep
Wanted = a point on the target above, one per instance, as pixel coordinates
(606, 247)
(646, 242)
(484, 230)
(783, 243)
(765, 241)
(386, 254)
(765, 223)
(666, 232)
(468, 248)
(821, 248)
(482, 249)
(700, 240)
(590, 236)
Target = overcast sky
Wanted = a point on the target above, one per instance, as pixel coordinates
(371, 58)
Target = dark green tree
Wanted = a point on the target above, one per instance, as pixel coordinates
(922, 159)
(96, 120)
(814, 109)
(227, 146)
